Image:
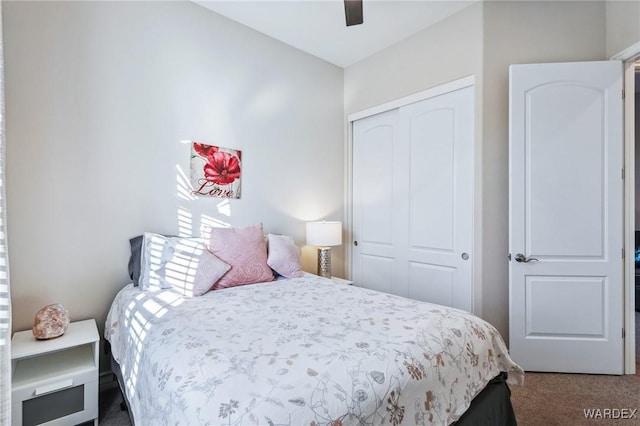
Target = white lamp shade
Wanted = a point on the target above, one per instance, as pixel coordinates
(324, 234)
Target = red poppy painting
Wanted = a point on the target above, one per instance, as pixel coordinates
(215, 171)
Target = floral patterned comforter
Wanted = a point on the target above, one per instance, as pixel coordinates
(304, 351)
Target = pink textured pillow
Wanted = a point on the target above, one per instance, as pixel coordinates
(284, 256)
(245, 250)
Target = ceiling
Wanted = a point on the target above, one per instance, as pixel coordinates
(318, 26)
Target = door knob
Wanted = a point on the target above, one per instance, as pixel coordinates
(523, 259)
(355, 243)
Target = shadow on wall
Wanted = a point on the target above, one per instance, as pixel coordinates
(185, 216)
(187, 223)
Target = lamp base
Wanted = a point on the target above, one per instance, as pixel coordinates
(324, 262)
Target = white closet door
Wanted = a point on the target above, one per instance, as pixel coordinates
(413, 200)
(376, 195)
(438, 133)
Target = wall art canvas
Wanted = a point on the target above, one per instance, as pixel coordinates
(215, 171)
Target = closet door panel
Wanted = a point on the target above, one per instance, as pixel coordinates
(439, 133)
(376, 154)
(437, 283)
(377, 272)
(376, 194)
(432, 179)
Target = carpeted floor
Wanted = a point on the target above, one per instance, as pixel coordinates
(561, 399)
(546, 399)
(110, 413)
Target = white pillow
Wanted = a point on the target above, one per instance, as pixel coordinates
(284, 256)
(183, 264)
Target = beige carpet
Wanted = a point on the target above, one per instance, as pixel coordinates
(561, 399)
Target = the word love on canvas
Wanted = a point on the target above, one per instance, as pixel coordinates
(215, 171)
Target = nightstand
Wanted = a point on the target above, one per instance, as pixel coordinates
(341, 281)
(55, 380)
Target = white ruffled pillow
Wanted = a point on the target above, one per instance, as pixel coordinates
(183, 264)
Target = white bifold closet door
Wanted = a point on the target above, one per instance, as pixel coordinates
(413, 200)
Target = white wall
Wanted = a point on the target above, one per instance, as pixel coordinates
(484, 40)
(99, 96)
(623, 25)
(446, 51)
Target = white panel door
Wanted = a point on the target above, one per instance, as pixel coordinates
(413, 200)
(439, 137)
(376, 191)
(566, 217)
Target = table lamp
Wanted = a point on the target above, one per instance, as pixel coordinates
(324, 234)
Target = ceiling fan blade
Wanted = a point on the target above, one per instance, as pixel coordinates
(353, 12)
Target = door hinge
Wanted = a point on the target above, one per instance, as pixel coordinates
(622, 174)
(622, 93)
(623, 252)
(623, 333)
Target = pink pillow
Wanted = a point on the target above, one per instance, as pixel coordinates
(209, 271)
(284, 256)
(245, 250)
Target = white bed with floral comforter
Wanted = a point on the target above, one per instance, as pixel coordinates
(303, 351)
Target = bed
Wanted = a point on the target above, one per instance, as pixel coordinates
(305, 351)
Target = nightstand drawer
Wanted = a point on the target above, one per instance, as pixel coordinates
(69, 405)
(54, 384)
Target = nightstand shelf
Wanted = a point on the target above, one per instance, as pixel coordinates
(55, 382)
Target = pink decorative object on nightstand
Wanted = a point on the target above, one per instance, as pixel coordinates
(51, 321)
